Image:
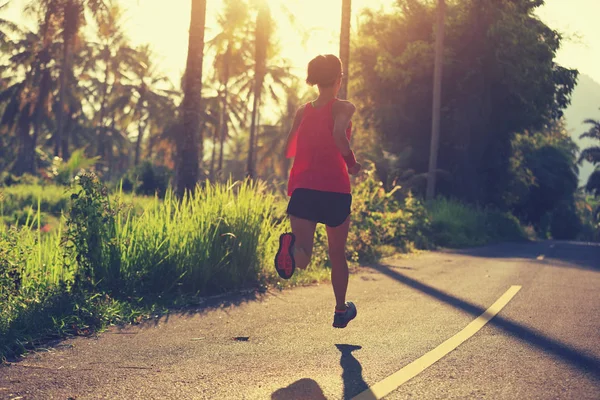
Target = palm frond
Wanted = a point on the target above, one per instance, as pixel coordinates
(593, 183)
(591, 154)
(594, 131)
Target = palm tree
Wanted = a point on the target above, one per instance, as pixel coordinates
(27, 99)
(151, 100)
(345, 45)
(114, 56)
(232, 48)
(189, 145)
(71, 16)
(592, 155)
(5, 27)
(272, 148)
(262, 37)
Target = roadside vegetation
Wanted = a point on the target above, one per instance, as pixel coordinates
(119, 199)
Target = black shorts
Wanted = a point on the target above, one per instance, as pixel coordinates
(329, 208)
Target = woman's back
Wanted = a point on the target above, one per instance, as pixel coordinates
(318, 163)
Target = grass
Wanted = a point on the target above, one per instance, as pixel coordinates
(221, 239)
(115, 258)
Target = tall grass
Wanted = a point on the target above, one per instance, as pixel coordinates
(113, 257)
(220, 238)
(112, 260)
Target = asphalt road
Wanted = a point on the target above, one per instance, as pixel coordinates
(544, 344)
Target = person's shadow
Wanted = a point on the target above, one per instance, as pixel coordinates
(308, 389)
(352, 371)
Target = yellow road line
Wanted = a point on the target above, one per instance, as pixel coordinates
(393, 382)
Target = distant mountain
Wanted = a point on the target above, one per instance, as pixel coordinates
(585, 104)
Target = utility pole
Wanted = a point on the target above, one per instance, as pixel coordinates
(437, 98)
(345, 46)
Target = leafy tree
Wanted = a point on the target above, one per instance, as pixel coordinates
(500, 78)
(263, 32)
(27, 95)
(70, 14)
(6, 26)
(544, 184)
(153, 104)
(113, 59)
(233, 58)
(592, 154)
(271, 150)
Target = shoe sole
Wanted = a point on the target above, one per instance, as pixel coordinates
(284, 256)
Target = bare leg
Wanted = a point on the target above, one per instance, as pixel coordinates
(337, 238)
(304, 230)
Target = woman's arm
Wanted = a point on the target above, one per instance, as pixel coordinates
(342, 114)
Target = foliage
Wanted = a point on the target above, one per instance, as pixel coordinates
(380, 220)
(148, 179)
(588, 210)
(592, 154)
(91, 233)
(544, 180)
(564, 222)
(499, 78)
(120, 256)
(63, 172)
(52, 199)
(454, 224)
(118, 91)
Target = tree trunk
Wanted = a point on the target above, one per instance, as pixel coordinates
(261, 44)
(250, 168)
(100, 132)
(213, 156)
(345, 45)
(189, 143)
(138, 144)
(224, 134)
(25, 162)
(70, 28)
(60, 117)
(223, 120)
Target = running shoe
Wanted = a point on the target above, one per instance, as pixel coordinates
(342, 318)
(285, 265)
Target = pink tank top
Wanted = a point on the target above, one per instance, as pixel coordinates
(318, 163)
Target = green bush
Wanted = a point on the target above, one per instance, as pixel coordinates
(63, 172)
(458, 225)
(24, 217)
(503, 226)
(8, 179)
(53, 199)
(148, 179)
(588, 210)
(565, 223)
(380, 220)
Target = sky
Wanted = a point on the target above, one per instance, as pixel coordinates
(164, 24)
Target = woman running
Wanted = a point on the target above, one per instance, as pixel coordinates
(319, 184)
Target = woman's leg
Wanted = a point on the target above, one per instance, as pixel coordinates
(304, 231)
(337, 238)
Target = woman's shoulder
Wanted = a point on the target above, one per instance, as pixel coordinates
(343, 106)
